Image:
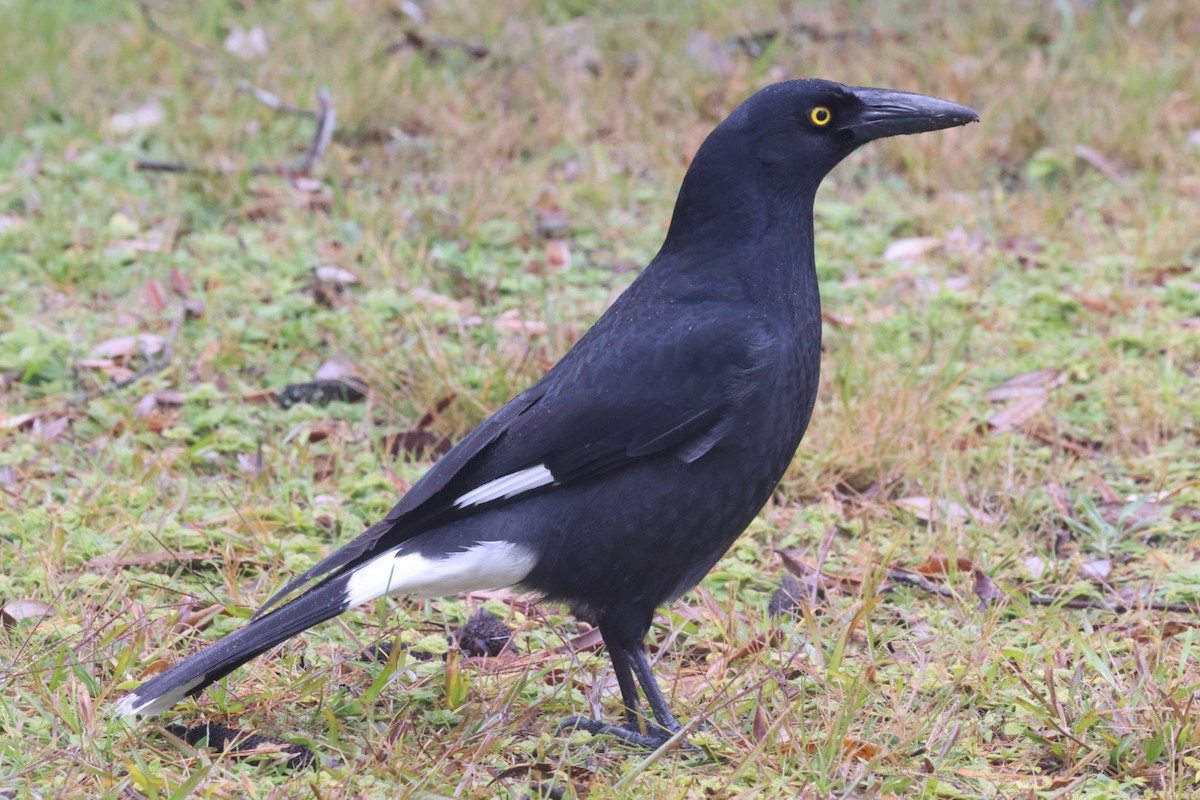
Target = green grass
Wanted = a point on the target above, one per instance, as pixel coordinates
(448, 186)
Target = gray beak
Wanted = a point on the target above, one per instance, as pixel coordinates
(890, 113)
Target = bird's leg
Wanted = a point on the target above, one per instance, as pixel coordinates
(638, 729)
(654, 695)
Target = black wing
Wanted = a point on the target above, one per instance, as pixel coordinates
(611, 400)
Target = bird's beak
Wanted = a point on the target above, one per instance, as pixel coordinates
(889, 113)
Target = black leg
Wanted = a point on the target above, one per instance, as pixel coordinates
(654, 695)
(629, 658)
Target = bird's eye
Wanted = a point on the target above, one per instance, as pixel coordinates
(820, 116)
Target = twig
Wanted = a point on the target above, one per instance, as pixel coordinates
(923, 583)
(155, 165)
(272, 101)
(1109, 605)
(326, 121)
(432, 47)
(919, 581)
(158, 30)
(822, 554)
(153, 365)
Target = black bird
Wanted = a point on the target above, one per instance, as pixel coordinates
(619, 479)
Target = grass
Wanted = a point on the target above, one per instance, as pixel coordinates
(453, 190)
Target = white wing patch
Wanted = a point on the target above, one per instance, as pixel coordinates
(134, 704)
(487, 565)
(508, 486)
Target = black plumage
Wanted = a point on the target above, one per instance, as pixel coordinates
(619, 479)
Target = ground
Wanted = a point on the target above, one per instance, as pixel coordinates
(1000, 490)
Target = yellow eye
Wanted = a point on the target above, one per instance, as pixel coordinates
(820, 116)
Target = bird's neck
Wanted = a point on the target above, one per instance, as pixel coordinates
(743, 241)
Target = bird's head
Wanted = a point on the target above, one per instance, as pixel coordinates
(772, 152)
(801, 129)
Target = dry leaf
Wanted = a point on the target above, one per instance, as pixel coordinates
(985, 589)
(252, 463)
(1058, 496)
(510, 321)
(17, 422)
(908, 251)
(1097, 570)
(939, 564)
(247, 44)
(1016, 414)
(1099, 162)
(945, 511)
(145, 116)
(328, 273)
(558, 254)
(434, 300)
(336, 369)
(1030, 384)
(146, 344)
(179, 282)
(417, 443)
(1036, 566)
(50, 429)
(18, 610)
(154, 296)
(153, 668)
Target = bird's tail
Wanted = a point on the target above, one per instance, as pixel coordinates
(195, 673)
(483, 564)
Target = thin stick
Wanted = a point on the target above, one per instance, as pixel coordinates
(322, 135)
(924, 584)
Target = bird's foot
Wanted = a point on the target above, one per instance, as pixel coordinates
(653, 738)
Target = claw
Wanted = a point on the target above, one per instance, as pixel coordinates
(654, 737)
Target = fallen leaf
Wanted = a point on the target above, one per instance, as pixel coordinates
(939, 564)
(154, 296)
(1099, 162)
(558, 254)
(146, 344)
(329, 273)
(1097, 570)
(336, 369)
(758, 725)
(1017, 413)
(511, 321)
(946, 511)
(1058, 496)
(1036, 566)
(839, 320)
(247, 44)
(145, 116)
(252, 464)
(17, 422)
(153, 668)
(434, 300)
(49, 429)
(1035, 383)
(180, 284)
(851, 748)
(17, 610)
(985, 589)
(417, 443)
(908, 251)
